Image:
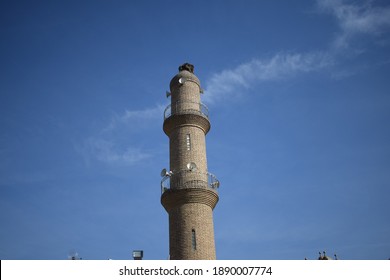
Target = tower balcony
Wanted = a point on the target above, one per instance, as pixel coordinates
(187, 179)
(183, 113)
(186, 107)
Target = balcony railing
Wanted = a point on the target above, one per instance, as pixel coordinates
(189, 179)
(186, 107)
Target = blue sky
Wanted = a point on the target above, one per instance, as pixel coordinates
(299, 101)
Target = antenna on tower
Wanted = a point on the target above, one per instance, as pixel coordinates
(165, 172)
(167, 93)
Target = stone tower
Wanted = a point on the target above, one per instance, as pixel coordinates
(188, 190)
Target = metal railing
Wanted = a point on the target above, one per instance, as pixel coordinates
(186, 107)
(189, 179)
(165, 183)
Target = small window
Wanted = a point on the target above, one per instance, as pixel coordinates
(188, 142)
(193, 239)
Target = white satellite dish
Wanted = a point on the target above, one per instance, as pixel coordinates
(191, 166)
(164, 173)
(182, 80)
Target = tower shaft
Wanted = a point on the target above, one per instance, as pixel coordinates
(189, 191)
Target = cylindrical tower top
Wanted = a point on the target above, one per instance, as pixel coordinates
(186, 102)
(186, 73)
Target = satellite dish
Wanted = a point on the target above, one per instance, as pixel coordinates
(164, 173)
(168, 94)
(191, 166)
(182, 80)
(201, 90)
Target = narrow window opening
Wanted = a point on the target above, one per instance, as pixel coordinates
(193, 239)
(188, 142)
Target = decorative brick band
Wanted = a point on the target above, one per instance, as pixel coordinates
(180, 120)
(175, 197)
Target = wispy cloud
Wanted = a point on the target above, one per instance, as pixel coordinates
(229, 83)
(108, 145)
(134, 117)
(108, 152)
(354, 19)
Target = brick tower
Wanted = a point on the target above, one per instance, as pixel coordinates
(188, 190)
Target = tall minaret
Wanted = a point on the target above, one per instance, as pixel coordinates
(189, 191)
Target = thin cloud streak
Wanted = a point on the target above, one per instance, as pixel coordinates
(230, 83)
(134, 117)
(107, 152)
(354, 20)
(104, 147)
